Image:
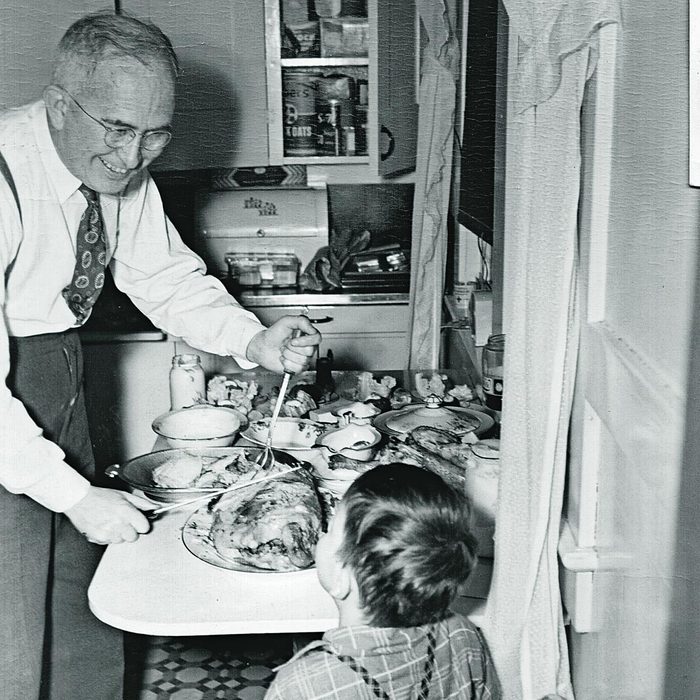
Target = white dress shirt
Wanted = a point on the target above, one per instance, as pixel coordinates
(149, 262)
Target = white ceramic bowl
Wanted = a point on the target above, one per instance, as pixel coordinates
(358, 412)
(288, 433)
(198, 426)
(353, 441)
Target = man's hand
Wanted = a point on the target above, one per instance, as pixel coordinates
(107, 516)
(278, 350)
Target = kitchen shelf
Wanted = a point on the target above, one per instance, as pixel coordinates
(324, 62)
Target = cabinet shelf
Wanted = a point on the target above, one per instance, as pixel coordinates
(315, 160)
(324, 62)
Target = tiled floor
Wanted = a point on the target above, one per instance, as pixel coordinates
(203, 668)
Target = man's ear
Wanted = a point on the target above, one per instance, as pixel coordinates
(56, 102)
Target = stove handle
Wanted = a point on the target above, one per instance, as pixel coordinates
(323, 319)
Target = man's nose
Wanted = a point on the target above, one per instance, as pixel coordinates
(131, 153)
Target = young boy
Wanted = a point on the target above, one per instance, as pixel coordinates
(394, 555)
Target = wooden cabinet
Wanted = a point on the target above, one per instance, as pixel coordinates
(361, 336)
(221, 108)
(373, 118)
(29, 34)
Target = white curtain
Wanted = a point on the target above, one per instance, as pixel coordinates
(436, 118)
(556, 51)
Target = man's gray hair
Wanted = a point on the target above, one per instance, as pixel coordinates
(102, 35)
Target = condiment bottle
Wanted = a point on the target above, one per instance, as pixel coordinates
(492, 371)
(187, 385)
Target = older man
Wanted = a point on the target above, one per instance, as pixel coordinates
(75, 197)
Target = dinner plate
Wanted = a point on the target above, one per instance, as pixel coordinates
(381, 421)
(195, 536)
(289, 433)
(138, 471)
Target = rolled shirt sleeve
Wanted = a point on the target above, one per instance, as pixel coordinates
(168, 282)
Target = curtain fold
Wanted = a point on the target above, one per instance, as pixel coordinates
(557, 47)
(436, 115)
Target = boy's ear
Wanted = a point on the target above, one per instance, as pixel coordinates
(342, 583)
(56, 103)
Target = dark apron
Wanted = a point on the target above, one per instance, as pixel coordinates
(51, 646)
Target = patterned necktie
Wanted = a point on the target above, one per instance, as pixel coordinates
(91, 259)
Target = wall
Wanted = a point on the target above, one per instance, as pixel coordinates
(645, 638)
(654, 215)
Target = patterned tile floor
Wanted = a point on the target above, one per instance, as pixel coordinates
(203, 668)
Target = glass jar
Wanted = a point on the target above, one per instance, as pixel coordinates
(492, 371)
(187, 385)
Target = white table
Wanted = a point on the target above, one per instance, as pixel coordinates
(156, 587)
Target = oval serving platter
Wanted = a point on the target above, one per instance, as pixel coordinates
(195, 537)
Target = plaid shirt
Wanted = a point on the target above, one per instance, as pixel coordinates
(396, 659)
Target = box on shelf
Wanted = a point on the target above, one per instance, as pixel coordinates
(300, 40)
(263, 269)
(344, 36)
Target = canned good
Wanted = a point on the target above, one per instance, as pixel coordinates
(361, 129)
(327, 8)
(492, 371)
(299, 96)
(187, 385)
(336, 109)
(349, 146)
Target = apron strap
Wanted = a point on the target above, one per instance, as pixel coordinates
(7, 174)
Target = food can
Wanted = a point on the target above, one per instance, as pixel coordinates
(336, 111)
(492, 370)
(299, 97)
(187, 384)
(328, 8)
(361, 129)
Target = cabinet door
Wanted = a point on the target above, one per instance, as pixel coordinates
(221, 108)
(397, 77)
(29, 33)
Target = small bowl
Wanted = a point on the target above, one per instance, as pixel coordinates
(288, 433)
(198, 426)
(358, 412)
(353, 441)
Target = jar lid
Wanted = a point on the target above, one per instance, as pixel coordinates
(187, 359)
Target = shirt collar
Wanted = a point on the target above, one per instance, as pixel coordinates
(63, 181)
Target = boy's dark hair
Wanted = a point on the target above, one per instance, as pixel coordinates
(408, 544)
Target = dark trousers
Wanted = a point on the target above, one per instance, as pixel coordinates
(51, 646)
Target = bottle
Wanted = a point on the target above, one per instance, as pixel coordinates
(187, 386)
(492, 371)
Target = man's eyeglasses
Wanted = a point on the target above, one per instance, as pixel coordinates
(119, 136)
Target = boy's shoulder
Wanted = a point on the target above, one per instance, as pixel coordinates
(310, 673)
(320, 669)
